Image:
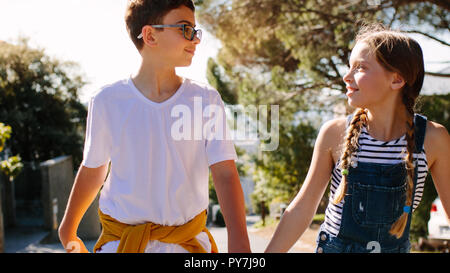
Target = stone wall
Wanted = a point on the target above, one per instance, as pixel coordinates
(57, 180)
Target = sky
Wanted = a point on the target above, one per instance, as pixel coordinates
(93, 34)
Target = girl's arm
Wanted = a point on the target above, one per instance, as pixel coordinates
(298, 215)
(439, 148)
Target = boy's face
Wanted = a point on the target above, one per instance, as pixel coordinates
(171, 47)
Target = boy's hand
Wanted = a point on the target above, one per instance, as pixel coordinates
(71, 242)
(76, 246)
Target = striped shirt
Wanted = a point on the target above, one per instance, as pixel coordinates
(374, 151)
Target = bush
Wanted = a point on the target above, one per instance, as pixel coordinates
(220, 221)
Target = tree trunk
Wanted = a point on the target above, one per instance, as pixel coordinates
(263, 212)
(10, 203)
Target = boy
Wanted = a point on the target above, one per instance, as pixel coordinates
(156, 195)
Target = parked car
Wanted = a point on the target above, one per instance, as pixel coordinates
(438, 229)
(438, 225)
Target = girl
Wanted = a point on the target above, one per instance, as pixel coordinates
(377, 158)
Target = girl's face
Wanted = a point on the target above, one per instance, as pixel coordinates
(367, 82)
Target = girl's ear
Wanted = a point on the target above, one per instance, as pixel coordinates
(397, 81)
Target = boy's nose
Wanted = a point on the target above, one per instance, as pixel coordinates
(196, 40)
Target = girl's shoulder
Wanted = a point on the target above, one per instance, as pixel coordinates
(334, 128)
(436, 138)
(435, 133)
(333, 134)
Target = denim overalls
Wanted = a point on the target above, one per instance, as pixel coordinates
(374, 201)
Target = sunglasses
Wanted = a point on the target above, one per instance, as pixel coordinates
(189, 32)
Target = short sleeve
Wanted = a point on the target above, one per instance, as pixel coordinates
(97, 145)
(219, 143)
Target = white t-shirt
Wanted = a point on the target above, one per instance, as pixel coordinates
(160, 153)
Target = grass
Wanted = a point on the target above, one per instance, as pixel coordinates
(269, 221)
(318, 219)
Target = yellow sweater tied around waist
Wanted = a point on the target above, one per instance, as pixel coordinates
(134, 238)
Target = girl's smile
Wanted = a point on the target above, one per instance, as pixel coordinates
(350, 91)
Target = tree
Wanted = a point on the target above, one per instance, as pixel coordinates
(294, 53)
(39, 100)
(5, 134)
(280, 174)
(306, 44)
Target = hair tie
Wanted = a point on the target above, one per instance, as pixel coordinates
(407, 209)
(344, 171)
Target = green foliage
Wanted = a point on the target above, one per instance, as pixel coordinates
(220, 221)
(39, 100)
(11, 167)
(293, 54)
(215, 76)
(268, 222)
(307, 42)
(212, 191)
(435, 108)
(318, 219)
(279, 175)
(5, 133)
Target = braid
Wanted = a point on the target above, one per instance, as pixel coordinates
(350, 146)
(398, 227)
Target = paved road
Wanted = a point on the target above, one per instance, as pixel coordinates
(257, 243)
(27, 240)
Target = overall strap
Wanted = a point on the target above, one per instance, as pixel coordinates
(420, 127)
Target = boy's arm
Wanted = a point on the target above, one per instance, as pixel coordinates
(85, 188)
(231, 199)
